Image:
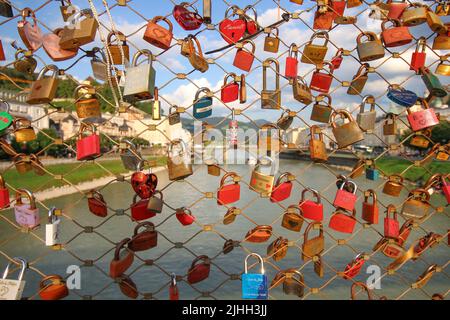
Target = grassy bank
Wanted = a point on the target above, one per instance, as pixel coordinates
(74, 172)
(394, 165)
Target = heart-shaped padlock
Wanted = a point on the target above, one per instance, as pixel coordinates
(144, 184)
(232, 30)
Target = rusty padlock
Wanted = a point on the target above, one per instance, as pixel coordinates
(370, 50)
(348, 133)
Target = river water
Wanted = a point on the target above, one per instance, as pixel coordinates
(166, 258)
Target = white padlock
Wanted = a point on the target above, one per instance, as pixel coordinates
(13, 289)
(52, 228)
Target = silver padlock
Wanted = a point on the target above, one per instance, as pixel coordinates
(52, 228)
(99, 66)
(13, 289)
(131, 158)
(366, 119)
(140, 78)
(155, 204)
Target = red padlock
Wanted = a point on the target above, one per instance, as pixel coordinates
(395, 36)
(321, 82)
(229, 91)
(123, 259)
(345, 199)
(281, 190)
(422, 119)
(4, 194)
(199, 269)
(323, 18)
(396, 8)
(342, 222)
(140, 211)
(185, 216)
(292, 62)
(405, 231)
(354, 267)
(232, 30)
(244, 58)
(418, 58)
(311, 209)
(53, 287)
(391, 225)
(97, 204)
(144, 184)
(88, 147)
(229, 193)
(370, 210)
(143, 240)
(446, 187)
(336, 61)
(251, 23)
(338, 7)
(174, 293)
(188, 20)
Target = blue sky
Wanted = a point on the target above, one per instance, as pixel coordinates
(181, 92)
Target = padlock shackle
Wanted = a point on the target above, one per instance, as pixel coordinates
(85, 126)
(21, 123)
(258, 257)
(421, 44)
(23, 266)
(28, 194)
(267, 64)
(234, 8)
(364, 102)
(370, 193)
(321, 96)
(362, 285)
(396, 178)
(315, 129)
(226, 176)
(158, 192)
(199, 91)
(49, 67)
(371, 36)
(52, 215)
(8, 107)
(282, 176)
(252, 44)
(320, 34)
(28, 12)
(121, 245)
(308, 229)
(178, 142)
(156, 19)
(266, 158)
(2, 182)
(173, 279)
(395, 24)
(203, 258)
(419, 193)
(54, 280)
(225, 79)
(192, 50)
(255, 14)
(293, 51)
(314, 192)
(391, 209)
(149, 226)
(349, 182)
(88, 87)
(276, 34)
(342, 114)
(119, 37)
(94, 194)
(184, 210)
(138, 54)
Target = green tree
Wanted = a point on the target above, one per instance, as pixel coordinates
(439, 134)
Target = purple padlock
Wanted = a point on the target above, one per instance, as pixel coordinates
(27, 215)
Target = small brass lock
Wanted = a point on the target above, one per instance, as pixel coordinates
(370, 50)
(86, 103)
(23, 131)
(414, 14)
(314, 53)
(271, 99)
(272, 43)
(26, 63)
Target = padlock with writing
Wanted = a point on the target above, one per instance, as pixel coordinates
(43, 89)
(401, 96)
(370, 50)
(292, 62)
(244, 58)
(23, 131)
(157, 35)
(202, 105)
(84, 33)
(345, 199)
(394, 185)
(417, 206)
(143, 240)
(343, 222)
(13, 289)
(24, 61)
(199, 269)
(312, 210)
(117, 47)
(52, 228)
(414, 14)
(323, 18)
(53, 287)
(88, 146)
(418, 57)
(348, 132)
(271, 98)
(317, 148)
(26, 214)
(421, 139)
(271, 41)
(187, 19)
(229, 193)
(86, 102)
(391, 224)
(140, 78)
(292, 218)
(123, 259)
(301, 91)
(30, 33)
(370, 209)
(282, 190)
(366, 119)
(254, 285)
(422, 119)
(359, 80)
(232, 30)
(314, 53)
(314, 246)
(51, 46)
(179, 161)
(229, 91)
(185, 216)
(263, 182)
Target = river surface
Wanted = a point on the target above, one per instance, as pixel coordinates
(154, 278)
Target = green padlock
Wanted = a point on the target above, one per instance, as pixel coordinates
(432, 83)
(6, 119)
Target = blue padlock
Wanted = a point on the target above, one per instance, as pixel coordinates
(401, 96)
(203, 105)
(372, 173)
(254, 285)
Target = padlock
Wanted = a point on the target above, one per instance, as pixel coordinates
(354, 3)
(370, 50)
(323, 18)
(4, 194)
(144, 184)
(318, 266)
(260, 182)
(26, 63)
(229, 245)
(213, 167)
(390, 124)
(186, 45)
(322, 112)
(321, 81)
(51, 46)
(52, 228)
(195, 55)
(345, 199)
(258, 234)
(66, 9)
(179, 162)
(370, 210)
(338, 7)
(43, 89)
(30, 33)
(271, 99)
(254, 285)
(443, 8)
(123, 259)
(342, 222)
(281, 190)
(127, 286)
(446, 187)
(155, 105)
(336, 61)
(84, 33)
(6, 9)
(435, 23)
(97, 204)
(278, 249)
(291, 67)
(359, 80)
(272, 42)
(401, 96)
(366, 119)
(118, 46)
(394, 185)
(353, 268)
(441, 42)
(99, 65)
(229, 193)
(140, 78)
(230, 215)
(405, 231)
(232, 30)
(317, 148)
(53, 287)
(140, 210)
(199, 269)
(285, 120)
(417, 206)
(379, 10)
(185, 216)
(345, 20)
(421, 139)
(313, 53)
(13, 289)
(155, 204)
(418, 58)
(157, 35)
(311, 209)
(292, 218)
(188, 20)
(88, 146)
(251, 24)
(130, 156)
(26, 214)
(269, 139)
(23, 131)
(414, 14)
(443, 68)
(229, 91)
(37, 165)
(301, 91)
(315, 246)
(86, 102)
(143, 240)
(174, 292)
(391, 224)
(396, 8)
(22, 163)
(294, 283)
(244, 58)
(422, 119)
(348, 133)
(174, 115)
(202, 106)
(432, 83)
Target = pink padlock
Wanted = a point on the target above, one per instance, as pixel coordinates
(27, 214)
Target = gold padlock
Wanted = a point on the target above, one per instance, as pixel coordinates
(43, 89)
(443, 8)
(186, 46)
(441, 42)
(272, 43)
(414, 14)
(115, 49)
(417, 206)
(359, 80)
(84, 33)
(86, 103)
(435, 23)
(443, 67)
(24, 62)
(22, 163)
(421, 139)
(347, 133)
(179, 164)
(23, 131)
(317, 148)
(358, 169)
(394, 185)
(297, 1)
(271, 99)
(313, 53)
(390, 124)
(263, 182)
(213, 167)
(371, 49)
(301, 91)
